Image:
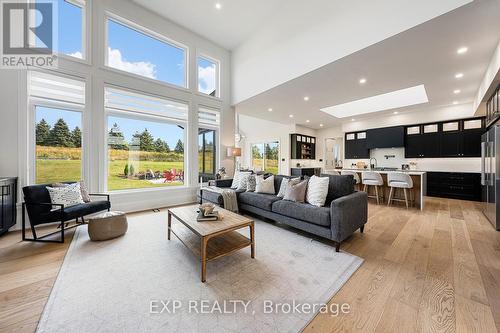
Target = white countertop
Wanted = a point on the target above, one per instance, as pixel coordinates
(410, 172)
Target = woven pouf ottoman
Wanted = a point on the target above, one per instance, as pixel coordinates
(107, 226)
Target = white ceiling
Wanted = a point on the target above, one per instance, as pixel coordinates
(228, 27)
(425, 54)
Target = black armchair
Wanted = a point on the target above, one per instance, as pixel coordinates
(40, 211)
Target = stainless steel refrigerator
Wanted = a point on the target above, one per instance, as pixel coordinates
(490, 175)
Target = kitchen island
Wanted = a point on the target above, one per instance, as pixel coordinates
(419, 183)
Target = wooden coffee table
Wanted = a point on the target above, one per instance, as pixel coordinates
(222, 234)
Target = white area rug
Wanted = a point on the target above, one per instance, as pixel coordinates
(108, 286)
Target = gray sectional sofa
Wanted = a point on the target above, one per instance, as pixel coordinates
(345, 210)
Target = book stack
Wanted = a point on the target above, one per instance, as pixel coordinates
(213, 216)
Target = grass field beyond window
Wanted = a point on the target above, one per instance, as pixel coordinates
(58, 164)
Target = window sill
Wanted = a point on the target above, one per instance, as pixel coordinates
(151, 189)
(144, 78)
(213, 98)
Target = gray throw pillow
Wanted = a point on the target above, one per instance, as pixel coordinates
(251, 183)
(284, 184)
(296, 192)
(242, 186)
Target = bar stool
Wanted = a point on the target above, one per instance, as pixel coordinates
(400, 180)
(354, 174)
(371, 178)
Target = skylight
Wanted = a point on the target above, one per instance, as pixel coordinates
(391, 100)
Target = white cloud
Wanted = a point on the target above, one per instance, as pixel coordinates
(76, 54)
(206, 79)
(143, 68)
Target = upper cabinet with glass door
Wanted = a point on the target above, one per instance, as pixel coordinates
(136, 50)
(208, 77)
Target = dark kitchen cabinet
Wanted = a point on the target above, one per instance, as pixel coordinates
(460, 138)
(355, 146)
(454, 185)
(451, 144)
(422, 146)
(302, 147)
(8, 200)
(471, 143)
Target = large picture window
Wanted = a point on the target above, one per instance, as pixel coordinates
(57, 103)
(265, 157)
(145, 141)
(135, 51)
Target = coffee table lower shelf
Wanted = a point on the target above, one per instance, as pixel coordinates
(217, 246)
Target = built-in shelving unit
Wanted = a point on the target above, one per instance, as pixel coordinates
(303, 147)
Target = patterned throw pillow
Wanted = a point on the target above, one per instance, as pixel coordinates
(237, 178)
(251, 183)
(85, 193)
(317, 190)
(243, 183)
(68, 196)
(284, 184)
(296, 192)
(264, 185)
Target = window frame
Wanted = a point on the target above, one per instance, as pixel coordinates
(150, 33)
(143, 117)
(85, 5)
(217, 76)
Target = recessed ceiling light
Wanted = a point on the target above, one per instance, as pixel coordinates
(308, 121)
(353, 119)
(291, 116)
(270, 109)
(306, 98)
(459, 75)
(455, 102)
(218, 5)
(457, 91)
(320, 125)
(395, 112)
(362, 81)
(462, 50)
(388, 101)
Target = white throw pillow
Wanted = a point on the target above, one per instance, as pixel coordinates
(284, 185)
(68, 196)
(317, 190)
(264, 185)
(237, 178)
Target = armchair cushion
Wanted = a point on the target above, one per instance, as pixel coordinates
(71, 213)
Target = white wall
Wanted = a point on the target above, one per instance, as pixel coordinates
(309, 34)
(490, 80)
(14, 148)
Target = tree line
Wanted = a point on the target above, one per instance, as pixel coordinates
(144, 140)
(58, 136)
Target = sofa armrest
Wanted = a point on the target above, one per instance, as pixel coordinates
(223, 182)
(100, 195)
(347, 214)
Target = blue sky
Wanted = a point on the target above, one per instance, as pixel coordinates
(70, 28)
(50, 115)
(136, 52)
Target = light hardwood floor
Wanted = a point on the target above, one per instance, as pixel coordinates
(431, 271)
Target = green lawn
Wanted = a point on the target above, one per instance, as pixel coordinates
(53, 171)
